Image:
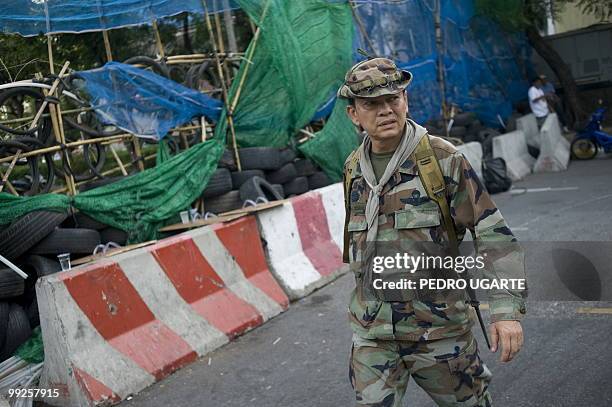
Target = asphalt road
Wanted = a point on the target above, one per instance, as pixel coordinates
(300, 358)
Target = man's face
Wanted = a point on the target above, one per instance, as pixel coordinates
(382, 117)
(538, 84)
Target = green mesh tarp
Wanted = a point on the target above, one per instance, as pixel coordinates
(303, 51)
(333, 143)
(298, 61)
(138, 204)
(32, 350)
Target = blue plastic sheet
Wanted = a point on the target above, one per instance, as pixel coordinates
(486, 69)
(33, 17)
(144, 103)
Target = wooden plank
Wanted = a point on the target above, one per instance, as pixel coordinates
(594, 310)
(257, 208)
(200, 223)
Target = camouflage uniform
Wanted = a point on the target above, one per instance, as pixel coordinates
(430, 340)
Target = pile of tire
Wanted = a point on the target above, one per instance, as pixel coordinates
(33, 242)
(267, 174)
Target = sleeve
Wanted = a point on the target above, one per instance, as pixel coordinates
(532, 93)
(473, 209)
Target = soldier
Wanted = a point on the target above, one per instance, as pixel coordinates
(388, 201)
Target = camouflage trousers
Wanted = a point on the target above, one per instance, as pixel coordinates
(449, 370)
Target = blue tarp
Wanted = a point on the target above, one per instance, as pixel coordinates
(486, 69)
(32, 17)
(144, 103)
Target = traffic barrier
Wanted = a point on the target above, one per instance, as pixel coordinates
(114, 327)
(303, 240)
(554, 148)
(473, 152)
(512, 147)
(529, 125)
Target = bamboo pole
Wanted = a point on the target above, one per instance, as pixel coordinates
(105, 173)
(361, 27)
(138, 153)
(6, 175)
(203, 123)
(228, 81)
(118, 160)
(158, 41)
(107, 47)
(230, 120)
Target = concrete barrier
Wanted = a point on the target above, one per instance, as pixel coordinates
(554, 148)
(529, 125)
(473, 152)
(512, 147)
(114, 327)
(303, 240)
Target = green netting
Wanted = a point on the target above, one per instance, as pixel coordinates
(334, 143)
(138, 204)
(298, 61)
(32, 350)
(303, 51)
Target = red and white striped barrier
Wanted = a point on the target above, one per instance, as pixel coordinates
(112, 328)
(303, 240)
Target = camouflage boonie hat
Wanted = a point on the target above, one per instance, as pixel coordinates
(374, 77)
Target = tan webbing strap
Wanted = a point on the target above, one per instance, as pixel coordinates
(348, 180)
(433, 182)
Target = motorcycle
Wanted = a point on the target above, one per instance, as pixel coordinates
(588, 141)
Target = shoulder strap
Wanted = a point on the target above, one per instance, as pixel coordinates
(349, 171)
(432, 178)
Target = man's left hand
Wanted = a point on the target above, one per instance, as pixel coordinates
(508, 334)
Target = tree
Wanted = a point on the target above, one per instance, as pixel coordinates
(530, 17)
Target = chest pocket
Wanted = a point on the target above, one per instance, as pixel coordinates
(416, 217)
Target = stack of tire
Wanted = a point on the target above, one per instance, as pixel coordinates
(266, 173)
(32, 242)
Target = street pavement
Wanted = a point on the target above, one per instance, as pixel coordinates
(299, 359)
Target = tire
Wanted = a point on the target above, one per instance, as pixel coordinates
(17, 331)
(11, 284)
(475, 127)
(279, 188)
(82, 221)
(4, 314)
(113, 235)
(219, 183)
(463, 119)
(258, 187)
(318, 180)
(304, 167)
(99, 183)
(240, 177)
(298, 186)
(223, 203)
(486, 134)
(260, 158)
(457, 131)
(287, 155)
(42, 266)
(283, 175)
(160, 69)
(27, 231)
(583, 149)
(43, 128)
(227, 161)
(74, 241)
(33, 314)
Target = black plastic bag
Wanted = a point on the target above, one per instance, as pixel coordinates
(494, 174)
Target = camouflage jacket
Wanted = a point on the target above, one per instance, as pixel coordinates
(407, 214)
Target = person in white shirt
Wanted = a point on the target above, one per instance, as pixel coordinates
(537, 101)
